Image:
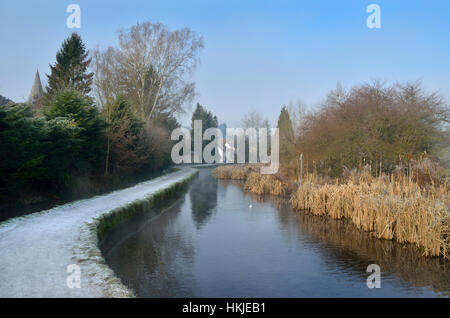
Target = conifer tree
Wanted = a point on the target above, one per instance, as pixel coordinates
(70, 69)
(208, 121)
(71, 104)
(286, 133)
(207, 118)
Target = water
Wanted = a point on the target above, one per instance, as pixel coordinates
(218, 241)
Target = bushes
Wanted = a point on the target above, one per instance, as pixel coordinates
(42, 156)
(62, 153)
(36, 153)
(125, 144)
(373, 124)
(133, 145)
(158, 146)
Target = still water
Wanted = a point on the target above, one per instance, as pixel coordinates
(217, 241)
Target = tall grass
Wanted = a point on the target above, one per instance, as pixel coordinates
(388, 210)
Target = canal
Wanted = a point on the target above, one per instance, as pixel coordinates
(215, 240)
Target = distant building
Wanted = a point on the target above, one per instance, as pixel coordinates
(36, 92)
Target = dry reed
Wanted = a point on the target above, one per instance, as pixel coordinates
(253, 180)
(389, 209)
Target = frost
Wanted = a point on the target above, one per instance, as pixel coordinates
(37, 248)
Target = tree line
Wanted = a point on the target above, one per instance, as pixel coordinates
(383, 126)
(105, 116)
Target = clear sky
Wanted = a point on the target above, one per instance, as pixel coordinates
(258, 54)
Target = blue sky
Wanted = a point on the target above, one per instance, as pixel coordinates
(258, 55)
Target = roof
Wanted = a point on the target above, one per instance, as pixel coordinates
(36, 90)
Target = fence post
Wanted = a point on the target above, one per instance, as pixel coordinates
(301, 168)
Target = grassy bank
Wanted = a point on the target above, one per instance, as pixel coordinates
(391, 207)
(109, 220)
(87, 250)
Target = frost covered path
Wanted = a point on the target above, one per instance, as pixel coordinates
(35, 250)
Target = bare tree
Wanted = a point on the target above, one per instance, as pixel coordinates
(254, 120)
(106, 79)
(297, 112)
(150, 67)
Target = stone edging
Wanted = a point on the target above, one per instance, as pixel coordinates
(87, 253)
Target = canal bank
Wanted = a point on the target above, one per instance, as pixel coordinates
(40, 249)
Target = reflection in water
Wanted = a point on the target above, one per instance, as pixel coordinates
(203, 196)
(141, 241)
(352, 249)
(218, 241)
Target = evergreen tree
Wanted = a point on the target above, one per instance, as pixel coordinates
(125, 137)
(71, 104)
(207, 118)
(70, 69)
(286, 135)
(208, 121)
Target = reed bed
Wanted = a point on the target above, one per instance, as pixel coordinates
(235, 172)
(264, 184)
(388, 207)
(389, 210)
(253, 180)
